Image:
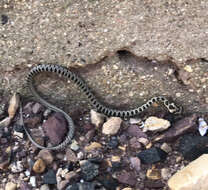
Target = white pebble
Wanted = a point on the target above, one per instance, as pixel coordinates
(33, 181)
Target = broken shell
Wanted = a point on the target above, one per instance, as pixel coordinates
(13, 105)
(203, 127)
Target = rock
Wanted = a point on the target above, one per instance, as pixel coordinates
(55, 128)
(5, 122)
(153, 184)
(127, 188)
(156, 124)
(32, 122)
(135, 121)
(39, 166)
(153, 174)
(46, 156)
(81, 186)
(108, 182)
(62, 185)
(49, 177)
(80, 155)
(71, 176)
(112, 126)
(143, 141)
(89, 135)
(74, 145)
(96, 118)
(192, 146)
(135, 131)
(152, 155)
(92, 146)
(128, 178)
(4, 165)
(113, 143)
(33, 181)
(134, 143)
(17, 167)
(37, 108)
(165, 173)
(181, 127)
(194, 176)
(24, 186)
(166, 147)
(18, 134)
(135, 163)
(71, 156)
(89, 170)
(44, 187)
(13, 105)
(11, 186)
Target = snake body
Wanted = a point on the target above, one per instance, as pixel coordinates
(66, 73)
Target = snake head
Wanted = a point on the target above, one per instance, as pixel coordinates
(174, 109)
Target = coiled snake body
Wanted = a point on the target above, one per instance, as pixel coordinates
(64, 72)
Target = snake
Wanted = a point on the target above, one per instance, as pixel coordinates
(99, 107)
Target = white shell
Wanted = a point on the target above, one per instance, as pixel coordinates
(203, 127)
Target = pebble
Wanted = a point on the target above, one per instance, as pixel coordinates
(135, 131)
(192, 146)
(143, 141)
(108, 181)
(5, 122)
(37, 108)
(71, 156)
(89, 170)
(89, 135)
(92, 146)
(112, 126)
(32, 122)
(113, 143)
(152, 155)
(17, 167)
(128, 178)
(33, 181)
(11, 186)
(46, 156)
(96, 118)
(153, 174)
(74, 145)
(181, 127)
(81, 186)
(135, 163)
(39, 166)
(165, 173)
(191, 177)
(62, 185)
(49, 177)
(134, 121)
(80, 155)
(18, 134)
(4, 165)
(24, 186)
(166, 147)
(55, 128)
(134, 143)
(156, 124)
(13, 105)
(44, 187)
(70, 176)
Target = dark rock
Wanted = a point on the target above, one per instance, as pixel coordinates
(55, 128)
(154, 184)
(113, 143)
(108, 182)
(181, 127)
(49, 177)
(89, 170)
(32, 122)
(192, 146)
(4, 19)
(127, 178)
(81, 186)
(24, 186)
(135, 131)
(37, 108)
(152, 155)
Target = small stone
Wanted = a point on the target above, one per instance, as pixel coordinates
(166, 147)
(5, 122)
(135, 131)
(153, 174)
(11, 186)
(112, 126)
(93, 146)
(188, 68)
(81, 186)
(32, 122)
(89, 170)
(89, 135)
(113, 143)
(165, 173)
(46, 156)
(156, 124)
(127, 188)
(62, 185)
(152, 155)
(108, 181)
(80, 155)
(153, 184)
(143, 141)
(192, 146)
(134, 121)
(74, 145)
(70, 176)
(115, 159)
(135, 163)
(13, 105)
(37, 108)
(47, 112)
(18, 134)
(49, 177)
(181, 127)
(71, 156)
(96, 118)
(134, 143)
(44, 187)
(33, 181)
(4, 19)
(128, 178)
(193, 177)
(39, 166)
(24, 186)
(55, 128)
(4, 165)
(17, 167)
